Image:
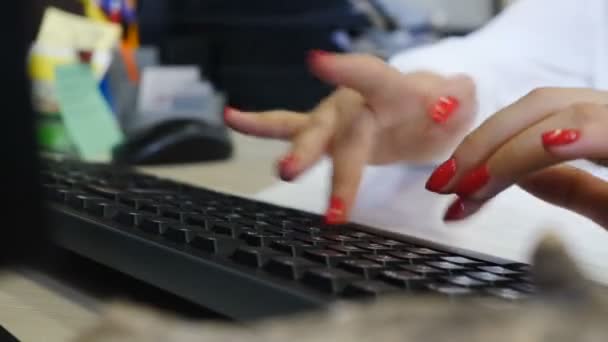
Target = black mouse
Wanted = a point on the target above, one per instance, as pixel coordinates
(175, 142)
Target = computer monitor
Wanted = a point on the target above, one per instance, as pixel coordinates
(22, 232)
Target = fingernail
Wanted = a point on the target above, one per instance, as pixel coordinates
(560, 137)
(456, 211)
(441, 176)
(443, 109)
(287, 167)
(335, 213)
(315, 55)
(227, 111)
(473, 181)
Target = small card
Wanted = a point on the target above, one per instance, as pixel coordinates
(86, 115)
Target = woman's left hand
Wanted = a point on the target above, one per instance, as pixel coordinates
(524, 144)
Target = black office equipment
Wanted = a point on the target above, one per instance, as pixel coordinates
(5, 336)
(247, 259)
(175, 141)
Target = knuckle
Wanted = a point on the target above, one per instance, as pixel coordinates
(586, 114)
(541, 93)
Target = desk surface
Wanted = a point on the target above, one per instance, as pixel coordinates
(36, 305)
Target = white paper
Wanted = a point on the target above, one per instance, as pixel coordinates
(160, 84)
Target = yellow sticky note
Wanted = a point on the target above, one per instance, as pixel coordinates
(43, 61)
(63, 29)
(92, 11)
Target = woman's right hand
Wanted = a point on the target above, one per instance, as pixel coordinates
(377, 115)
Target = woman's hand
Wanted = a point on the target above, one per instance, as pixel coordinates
(377, 115)
(525, 144)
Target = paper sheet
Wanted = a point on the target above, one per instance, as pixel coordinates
(63, 29)
(85, 113)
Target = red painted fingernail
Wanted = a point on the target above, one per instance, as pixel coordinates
(473, 181)
(443, 109)
(560, 137)
(455, 212)
(441, 176)
(227, 111)
(315, 55)
(287, 167)
(335, 213)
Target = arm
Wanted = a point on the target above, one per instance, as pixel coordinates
(532, 43)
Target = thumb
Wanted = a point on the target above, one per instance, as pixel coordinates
(366, 74)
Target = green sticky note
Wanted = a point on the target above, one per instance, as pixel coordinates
(87, 116)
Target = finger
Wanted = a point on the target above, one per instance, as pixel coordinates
(571, 188)
(368, 75)
(350, 153)
(279, 124)
(494, 132)
(309, 145)
(577, 132)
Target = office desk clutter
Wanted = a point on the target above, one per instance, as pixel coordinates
(101, 96)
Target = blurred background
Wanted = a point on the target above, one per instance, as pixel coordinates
(187, 59)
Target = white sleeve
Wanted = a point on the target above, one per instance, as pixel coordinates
(532, 43)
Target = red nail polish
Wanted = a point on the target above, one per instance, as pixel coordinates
(473, 181)
(443, 109)
(560, 137)
(335, 213)
(287, 167)
(455, 212)
(315, 55)
(441, 176)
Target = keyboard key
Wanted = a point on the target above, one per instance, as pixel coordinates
(181, 234)
(498, 270)
(314, 240)
(214, 243)
(394, 244)
(361, 235)
(330, 280)
(100, 208)
(129, 218)
(507, 293)
(383, 259)
(294, 248)
(156, 225)
(349, 250)
(450, 290)
(410, 257)
(461, 260)
(133, 201)
(404, 279)
(465, 281)
(340, 238)
(80, 201)
(224, 228)
(368, 288)
(424, 251)
(195, 219)
(447, 266)
(363, 267)
(106, 192)
(489, 277)
(56, 193)
(326, 256)
(423, 270)
(254, 256)
(311, 230)
(254, 238)
(289, 267)
(374, 247)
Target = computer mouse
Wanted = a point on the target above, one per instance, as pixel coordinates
(175, 141)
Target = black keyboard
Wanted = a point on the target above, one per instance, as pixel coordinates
(248, 259)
